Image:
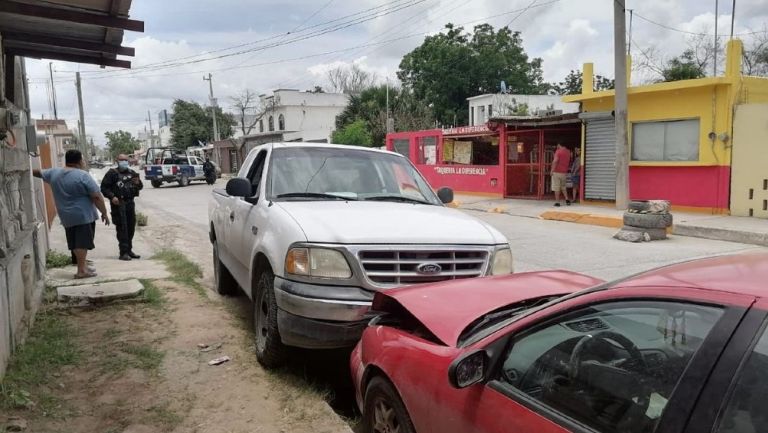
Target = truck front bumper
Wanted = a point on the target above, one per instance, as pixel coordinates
(321, 317)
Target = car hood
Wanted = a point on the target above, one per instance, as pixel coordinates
(361, 222)
(447, 309)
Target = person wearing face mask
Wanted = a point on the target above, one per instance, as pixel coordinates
(121, 186)
(77, 197)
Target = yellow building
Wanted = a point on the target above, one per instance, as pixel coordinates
(684, 146)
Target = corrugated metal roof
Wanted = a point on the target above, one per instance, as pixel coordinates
(81, 31)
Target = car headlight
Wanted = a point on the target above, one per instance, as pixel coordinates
(317, 262)
(502, 262)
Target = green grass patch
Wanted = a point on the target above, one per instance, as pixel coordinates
(50, 346)
(152, 294)
(141, 219)
(164, 416)
(56, 259)
(182, 269)
(123, 355)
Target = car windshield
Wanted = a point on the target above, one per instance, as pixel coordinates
(316, 173)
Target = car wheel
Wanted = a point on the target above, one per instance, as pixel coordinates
(223, 279)
(156, 183)
(383, 410)
(270, 350)
(184, 181)
(648, 220)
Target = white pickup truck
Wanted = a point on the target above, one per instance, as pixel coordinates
(311, 231)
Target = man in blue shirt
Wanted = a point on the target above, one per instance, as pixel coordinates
(76, 193)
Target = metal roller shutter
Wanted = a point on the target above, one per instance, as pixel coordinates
(600, 159)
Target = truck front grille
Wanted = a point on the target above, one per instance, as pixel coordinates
(394, 268)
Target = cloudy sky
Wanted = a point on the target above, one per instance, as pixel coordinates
(268, 44)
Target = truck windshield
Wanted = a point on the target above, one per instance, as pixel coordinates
(316, 173)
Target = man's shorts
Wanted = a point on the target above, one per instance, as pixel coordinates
(81, 237)
(558, 181)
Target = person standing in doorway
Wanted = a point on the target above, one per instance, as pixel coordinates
(560, 165)
(575, 173)
(77, 197)
(121, 186)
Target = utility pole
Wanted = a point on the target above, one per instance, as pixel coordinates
(53, 91)
(620, 109)
(714, 52)
(209, 79)
(80, 107)
(733, 17)
(390, 121)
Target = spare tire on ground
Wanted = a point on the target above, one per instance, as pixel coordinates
(648, 220)
(636, 234)
(649, 206)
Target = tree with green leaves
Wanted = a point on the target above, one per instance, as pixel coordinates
(121, 142)
(193, 124)
(454, 65)
(683, 67)
(370, 107)
(355, 134)
(573, 82)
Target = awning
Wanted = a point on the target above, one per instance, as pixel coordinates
(79, 31)
(534, 121)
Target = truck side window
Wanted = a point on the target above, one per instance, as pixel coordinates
(257, 171)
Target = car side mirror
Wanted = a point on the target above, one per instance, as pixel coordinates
(445, 195)
(239, 187)
(468, 369)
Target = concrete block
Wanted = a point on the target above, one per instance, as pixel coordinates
(109, 270)
(100, 292)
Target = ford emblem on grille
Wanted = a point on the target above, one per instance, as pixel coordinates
(429, 268)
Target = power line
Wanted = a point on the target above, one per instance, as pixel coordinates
(674, 29)
(521, 13)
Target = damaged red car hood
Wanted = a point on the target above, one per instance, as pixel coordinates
(447, 308)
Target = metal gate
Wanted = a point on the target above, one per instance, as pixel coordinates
(600, 157)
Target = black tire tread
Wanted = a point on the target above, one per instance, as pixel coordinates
(648, 221)
(379, 384)
(275, 353)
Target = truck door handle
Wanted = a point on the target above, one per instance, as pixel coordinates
(231, 216)
(254, 230)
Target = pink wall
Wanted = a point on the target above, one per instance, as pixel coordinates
(465, 178)
(705, 187)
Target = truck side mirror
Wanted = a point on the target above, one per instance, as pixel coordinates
(445, 195)
(239, 187)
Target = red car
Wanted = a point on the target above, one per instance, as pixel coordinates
(681, 349)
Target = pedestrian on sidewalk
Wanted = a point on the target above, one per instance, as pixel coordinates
(77, 196)
(575, 173)
(560, 165)
(121, 186)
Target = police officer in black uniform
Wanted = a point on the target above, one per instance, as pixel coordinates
(120, 186)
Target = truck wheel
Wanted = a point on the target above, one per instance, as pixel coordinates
(648, 221)
(156, 183)
(270, 351)
(184, 181)
(223, 279)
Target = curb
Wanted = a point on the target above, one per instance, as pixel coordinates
(718, 234)
(584, 218)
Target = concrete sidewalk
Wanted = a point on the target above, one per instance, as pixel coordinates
(743, 230)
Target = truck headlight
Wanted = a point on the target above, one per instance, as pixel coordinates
(502, 262)
(317, 262)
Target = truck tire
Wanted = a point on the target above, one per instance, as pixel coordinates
(223, 280)
(648, 220)
(157, 183)
(183, 181)
(270, 350)
(649, 206)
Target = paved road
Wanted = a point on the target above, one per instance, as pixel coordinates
(537, 244)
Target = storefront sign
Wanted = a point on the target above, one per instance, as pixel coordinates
(472, 171)
(479, 129)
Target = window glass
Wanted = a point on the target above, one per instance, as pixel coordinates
(612, 367)
(428, 150)
(271, 123)
(666, 141)
(281, 122)
(480, 150)
(402, 146)
(745, 411)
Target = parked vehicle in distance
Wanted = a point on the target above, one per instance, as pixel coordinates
(683, 348)
(97, 164)
(167, 165)
(312, 231)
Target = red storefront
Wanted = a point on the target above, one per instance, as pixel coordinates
(508, 157)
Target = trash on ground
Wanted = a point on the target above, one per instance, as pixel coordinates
(219, 361)
(211, 348)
